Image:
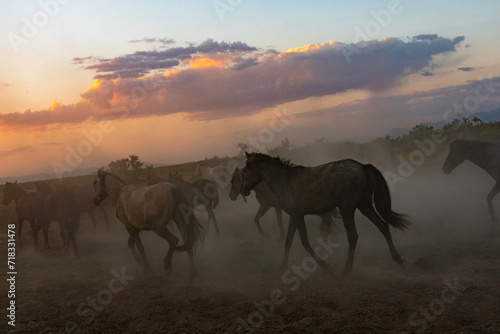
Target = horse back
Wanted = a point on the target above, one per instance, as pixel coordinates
(321, 188)
(140, 206)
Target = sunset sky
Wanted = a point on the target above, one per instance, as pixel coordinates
(83, 83)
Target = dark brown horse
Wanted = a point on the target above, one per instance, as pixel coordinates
(151, 208)
(29, 207)
(62, 206)
(346, 184)
(267, 200)
(483, 154)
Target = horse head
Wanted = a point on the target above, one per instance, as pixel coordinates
(44, 188)
(455, 157)
(100, 192)
(249, 177)
(8, 192)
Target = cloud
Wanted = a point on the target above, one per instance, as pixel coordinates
(4, 154)
(165, 41)
(141, 63)
(427, 74)
(232, 79)
(466, 69)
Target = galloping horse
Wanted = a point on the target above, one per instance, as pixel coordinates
(29, 207)
(346, 184)
(267, 200)
(485, 155)
(151, 208)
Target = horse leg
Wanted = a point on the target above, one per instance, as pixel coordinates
(261, 212)
(105, 214)
(64, 236)
(301, 226)
(368, 210)
(326, 225)
(131, 243)
(191, 263)
(352, 236)
(93, 218)
(279, 216)
(491, 195)
(211, 216)
(45, 229)
(288, 243)
(172, 243)
(19, 231)
(140, 248)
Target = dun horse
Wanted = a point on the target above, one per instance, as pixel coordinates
(485, 155)
(346, 184)
(267, 200)
(151, 208)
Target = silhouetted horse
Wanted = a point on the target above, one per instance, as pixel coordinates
(345, 184)
(29, 207)
(62, 206)
(151, 208)
(485, 155)
(267, 200)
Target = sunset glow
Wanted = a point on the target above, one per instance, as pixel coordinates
(227, 78)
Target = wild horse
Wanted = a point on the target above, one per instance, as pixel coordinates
(62, 206)
(346, 184)
(151, 208)
(485, 155)
(267, 200)
(29, 207)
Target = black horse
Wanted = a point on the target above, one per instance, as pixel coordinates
(346, 184)
(485, 155)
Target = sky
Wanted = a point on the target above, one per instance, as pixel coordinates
(83, 83)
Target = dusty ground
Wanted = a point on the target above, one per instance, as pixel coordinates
(452, 284)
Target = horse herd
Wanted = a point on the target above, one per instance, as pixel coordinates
(339, 187)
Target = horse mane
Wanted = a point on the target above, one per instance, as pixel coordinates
(106, 174)
(280, 161)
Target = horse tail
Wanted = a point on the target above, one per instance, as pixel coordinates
(379, 194)
(191, 230)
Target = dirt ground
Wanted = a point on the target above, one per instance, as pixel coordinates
(452, 284)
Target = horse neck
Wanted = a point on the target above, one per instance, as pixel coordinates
(477, 153)
(114, 187)
(273, 176)
(18, 193)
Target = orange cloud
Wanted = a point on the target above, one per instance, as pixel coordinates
(202, 61)
(309, 47)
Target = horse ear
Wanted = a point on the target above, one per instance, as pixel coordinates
(246, 154)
